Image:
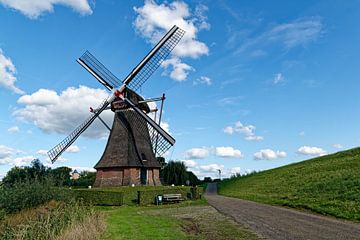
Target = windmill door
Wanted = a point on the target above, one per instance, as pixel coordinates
(143, 176)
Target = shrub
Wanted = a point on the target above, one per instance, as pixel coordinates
(27, 194)
(147, 197)
(98, 197)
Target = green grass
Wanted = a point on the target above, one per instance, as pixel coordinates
(189, 220)
(328, 185)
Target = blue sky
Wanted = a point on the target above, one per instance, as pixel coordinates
(253, 85)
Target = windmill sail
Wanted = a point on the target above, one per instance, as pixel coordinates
(99, 71)
(56, 151)
(153, 60)
(161, 141)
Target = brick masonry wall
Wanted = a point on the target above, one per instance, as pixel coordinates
(112, 177)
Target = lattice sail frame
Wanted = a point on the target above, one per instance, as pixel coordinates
(56, 151)
(156, 60)
(108, 79)
(159, 144)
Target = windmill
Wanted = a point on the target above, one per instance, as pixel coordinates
(135, 139)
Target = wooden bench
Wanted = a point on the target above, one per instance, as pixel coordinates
(173, 197)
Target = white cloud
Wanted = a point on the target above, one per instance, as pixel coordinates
(229, 130)
(62, 113)
(14, 129)
(5, 154)
(42, 152)
(338, 146)
(154, 20)
(247, 130)
(34, 8)
(235, 170)
(269, 154)
(197, 153)
(80, 169)
(302, 133)
(278, 78)
(73, 149)
(179, 70)
(212, 167)
(203, 80)
(22, 161)
(7, 73)
(228, 152)
(314, 151)
(299, 32)
(230, 100)
(189, 163)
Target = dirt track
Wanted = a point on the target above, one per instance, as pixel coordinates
(281, 223)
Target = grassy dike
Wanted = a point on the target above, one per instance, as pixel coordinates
(328, 185)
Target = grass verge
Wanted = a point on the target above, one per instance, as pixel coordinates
(329, 185)
(189, 220)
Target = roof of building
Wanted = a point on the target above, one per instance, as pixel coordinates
(129, 143)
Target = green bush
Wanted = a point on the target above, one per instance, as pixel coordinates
(27, 194)
(147, 197)
(98, 197)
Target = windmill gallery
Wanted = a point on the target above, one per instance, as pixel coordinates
(135, 139)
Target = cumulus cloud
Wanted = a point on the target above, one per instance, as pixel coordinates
(235, 170)
(204, 80)
(42, 152)
(212, 167)
(278, 78)
(228, 152)
(22, 161)
(337, 146)
(34, 8)
(5, 154)
(8, 156)
(313, 151)
(14, 129)
(63, 112)
(73, 149)
(189, 163)
(179, 70)
(269, 154)
(247, 130)
(7, 74)
(81, 169)
(197, 153)
(154, 20)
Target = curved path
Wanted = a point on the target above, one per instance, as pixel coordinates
(281, 223)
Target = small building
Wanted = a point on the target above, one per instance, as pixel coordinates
(75, 175)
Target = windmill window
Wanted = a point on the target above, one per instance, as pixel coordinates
(143, 157)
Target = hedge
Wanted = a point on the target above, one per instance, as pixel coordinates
(99, 197)
(147, 197)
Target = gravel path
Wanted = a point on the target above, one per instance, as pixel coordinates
(281, 223)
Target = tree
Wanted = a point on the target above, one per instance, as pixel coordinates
(61, 176)
(162, 162)
(193, 179)
(86, 179)
(22, 174)
(175, 173)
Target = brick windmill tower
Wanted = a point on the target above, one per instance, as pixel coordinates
(135, 139)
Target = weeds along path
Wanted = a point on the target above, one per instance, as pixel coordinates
(281, 223)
